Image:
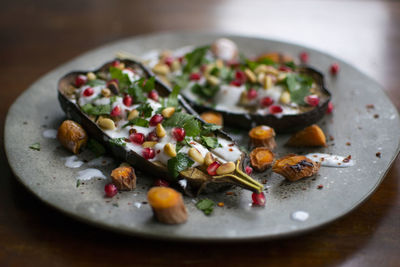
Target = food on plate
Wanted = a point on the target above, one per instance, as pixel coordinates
(167, 205)
(124, 178)
(212, 117)
(263, 136)
(295, 167)
(151, 128)
(269, 89)
(310, 136)
(261, 158)
(72, 136)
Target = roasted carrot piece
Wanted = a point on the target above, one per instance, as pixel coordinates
(263, 136)
(72, 136)
(212, 117)
(124, 178)
(167, 205)
(294, 167)
(261, 158)
(310, 136)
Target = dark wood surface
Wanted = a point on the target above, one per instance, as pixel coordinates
(37, 36)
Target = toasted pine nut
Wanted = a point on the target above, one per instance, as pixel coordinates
(105, 92)
(91, 76)
(133, 114)
(160, 131)
(208, 159)
(285, 97)
(219, 63)
(161, 69)
(168, 112)
(169, 149)
(149, 144)
(196, 155)
(213, 80)
(106, 124)
(226, 168)
(267, 82)
(261, 78)
(176, 65)
(250, 75)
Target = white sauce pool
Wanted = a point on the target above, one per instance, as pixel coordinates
(50, 133)
(100, 161)
(300, 216)
(90, 173)
(328, 160)
(73, 162)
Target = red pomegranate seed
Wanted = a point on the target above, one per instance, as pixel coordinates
(80, 80)
(330, 108)
(110, 190)
(137, 138)
(115, 63)
(88, 92)
(258, 199)
(285, 68)
(240, 76)
(148, 153)
(212, 169)
(252, 94)
(116, 111)
(127, 100)
(248, 170)
(156, 119)
(303, 57)
(161, 182)
(334, 68)
(267, 101)
(194, 76)
(153, 95)
(275, 109)
(168, 61)
(179, 134)
(236, 83)
(180, 59)
(312, 100)
(152, 136)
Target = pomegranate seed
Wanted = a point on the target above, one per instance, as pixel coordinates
(212, 169)
(161, 182)
(153, 95)
(334, 68)
(156, 119)
(236, 83)
(248, 170)
(304, 57)
(80, 80)
(233, 63)
(194, 76)
(116, 111)
(179, 134)
(267, 101)
(127, 100)
(110, 190)
(312, 100)
(275, 109)
(258, 199)
(88, 92)
(180, 59)
(115, 63)
(148, 153)
(285, 68)
(330, 108)
(152, 136)
(203, 68)
(252, 94)
(168, 61)
(240, 76)
(137, 138)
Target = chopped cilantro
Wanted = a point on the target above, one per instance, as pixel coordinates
(96, 82)
(96, 110)
(35, 146)
(291, 65)
(123, 78)
(117, 141)
(113, 99)
(172, 100)
(145, 110)
(138, 121)
(210, 142)
(195, 58)
(209, 127)
(298, 86)
(137, 93)
(181, 81)
(206, 91)
(78, 183)
(97, 148)
(206, 205)
(179, 163)
(148, 84)
(184, 120)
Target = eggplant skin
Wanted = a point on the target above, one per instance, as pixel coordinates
(74, 113)
(284, 124)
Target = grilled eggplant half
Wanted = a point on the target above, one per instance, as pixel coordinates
(270, 90)
(143, 123)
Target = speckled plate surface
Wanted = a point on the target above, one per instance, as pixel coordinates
(366, 132)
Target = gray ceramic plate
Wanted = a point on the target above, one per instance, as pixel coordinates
(44, 173)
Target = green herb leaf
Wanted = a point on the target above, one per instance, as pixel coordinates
(192, 127)
(179, 163)
(206, 92)
(78, 183)
(113, 99)
(137, 93)
(210, 142)
(298, 86)
(96, 82)
(148, 85)
(35, 146)
(195, 58)
(123, 78)
(181, 81)
(97, 148)
(291, 65)
(209, 127)
(145, 110)
(206, 206)
(117, 141)
(139, 122)
(172, 100)
(96, 110)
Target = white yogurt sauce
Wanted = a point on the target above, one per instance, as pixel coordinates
(100, 161)
(90, 173)
(88, 99)
(328, 160)
(300, 216)
(73, 162)
(50, 133)
(228, 151)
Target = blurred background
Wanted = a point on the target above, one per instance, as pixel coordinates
(37, 36)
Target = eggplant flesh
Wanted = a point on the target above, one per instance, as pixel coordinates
(197, 178)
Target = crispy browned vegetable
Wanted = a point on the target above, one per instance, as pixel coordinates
(263, 136)
(124, 178)
(276, 57)
(310, 136)
(212, 117)
(294, 167)
(72, 136)
(167, 205)
(261, 158)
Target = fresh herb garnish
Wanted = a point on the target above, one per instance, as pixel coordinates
(206, 205)
(117, 141)
(96, 82)
(210, 142)
(78, 183)
(195, 58)
(206, 91)
(145, 110)
(262, 61)
(96, 110)
(184, 120)
(298, 86)
(137, 93)
(139, 122)
(97, 148)
(179, 163)
(209, 127)
(291, 65)
(148, 85)
(172, 100)
(123, 78)
(35, 146)
(113, 99)
(181, 80)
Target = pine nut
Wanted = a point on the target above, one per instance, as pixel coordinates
(105, 92)
(168, 112)
(226, 168)
(149, 144)
(285, 97)
(106, 124)
(133, 114)
(267, 82)
(196, 155)
(160, 131)
(250, 75)
(161, 69)
(91, 76)
(212, 80)
(169, 149)
(208, 159)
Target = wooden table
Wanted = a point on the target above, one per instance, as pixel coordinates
(37, 36)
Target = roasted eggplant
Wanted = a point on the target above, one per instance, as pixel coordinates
(269, 90)
(143, 123)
